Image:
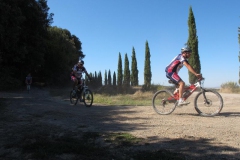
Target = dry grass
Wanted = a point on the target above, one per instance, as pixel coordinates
(139, 98)
(229, 90)
(142, 95)
(230, 87)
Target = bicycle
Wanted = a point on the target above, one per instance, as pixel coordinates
(207, 102)
(83, 94)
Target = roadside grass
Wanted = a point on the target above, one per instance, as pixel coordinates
(139, 98)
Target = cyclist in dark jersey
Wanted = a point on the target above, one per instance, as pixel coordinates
(28, 79)
(173, 68)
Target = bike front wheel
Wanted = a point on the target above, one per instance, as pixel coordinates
(73, 98)
(208, 103)
(163, 102)
(87, 97)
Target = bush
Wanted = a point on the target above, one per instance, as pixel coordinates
(8, 81)
(229, 87)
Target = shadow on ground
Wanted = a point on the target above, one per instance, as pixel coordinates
(29, 119)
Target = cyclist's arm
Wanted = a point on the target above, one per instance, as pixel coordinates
(88, 75)
(189, 67)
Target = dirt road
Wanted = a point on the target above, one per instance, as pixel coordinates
(183, 131)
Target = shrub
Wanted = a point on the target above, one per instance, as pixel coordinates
(229, 87)
(8, 81)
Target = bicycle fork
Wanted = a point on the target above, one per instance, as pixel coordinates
(206, 101)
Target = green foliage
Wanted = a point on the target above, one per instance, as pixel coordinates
(23, 31)
(194, 60)
(114, 79)
(105, 78)
(99, 78)
(126, 75)
(120, 72)
(147, 68)
(8, 80)
(109, 78)
(134, 70)
(29, 44)
(144, 99)
(62, 53)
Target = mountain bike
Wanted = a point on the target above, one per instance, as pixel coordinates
(207, 102)
(83, 94)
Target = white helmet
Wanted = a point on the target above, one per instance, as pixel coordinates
(186, 49)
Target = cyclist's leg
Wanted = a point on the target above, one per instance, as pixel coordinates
(181, 86)
(174, 77)
(75, 82)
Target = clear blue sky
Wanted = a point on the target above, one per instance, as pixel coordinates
(109, 27)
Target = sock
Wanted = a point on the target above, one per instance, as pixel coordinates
(180, 100)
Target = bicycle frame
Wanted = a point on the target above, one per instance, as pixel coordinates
(192, 88)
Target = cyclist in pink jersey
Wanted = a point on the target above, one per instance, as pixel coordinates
(173, 68)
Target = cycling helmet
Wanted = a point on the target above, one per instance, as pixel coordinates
(186, 49)
(81, 62)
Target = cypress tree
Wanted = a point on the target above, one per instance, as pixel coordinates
(126, 75)
(114, 79)
(194, 60)
(134, 70)
(120, 74)
(109, 78)
(105, 78)
(147, 68)
(99, 78)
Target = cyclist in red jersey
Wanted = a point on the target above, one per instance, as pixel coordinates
(173, 68)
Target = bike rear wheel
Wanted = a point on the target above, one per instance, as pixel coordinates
(163, 102)
(87, 97)
(208, 103)
(73, 98)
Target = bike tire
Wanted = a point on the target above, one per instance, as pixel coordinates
(163, 102)
(73, 99)
(87, 96)
(211, 106)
